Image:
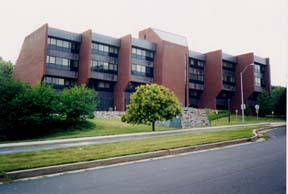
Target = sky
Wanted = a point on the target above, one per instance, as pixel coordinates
(235, 26)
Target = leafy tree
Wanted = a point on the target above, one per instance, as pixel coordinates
(265, 103)
(151, 103)
(279, 102)
(9, 90)
(77, 103)
(36, 106)
(6, 68)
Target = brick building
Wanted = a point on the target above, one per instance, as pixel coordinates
(114, 67)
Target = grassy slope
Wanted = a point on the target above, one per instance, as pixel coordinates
(17, 161)
(248, 120)
(94, 127)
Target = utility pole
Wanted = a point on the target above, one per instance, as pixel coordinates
(229, 110)
(242, 95)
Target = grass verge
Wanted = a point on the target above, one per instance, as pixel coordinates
(28, 160)
(248, 120)
(89, 128)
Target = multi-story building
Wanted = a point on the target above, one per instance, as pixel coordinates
(114, 67)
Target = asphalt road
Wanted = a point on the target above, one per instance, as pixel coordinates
(247, 169)
(46, 145)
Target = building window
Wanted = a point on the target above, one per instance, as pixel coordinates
(257, 81)
(200, 64)
(142, 53)
(228, 65)
(138, 68)
(63, 45)
(103, 85)
(54, 80)
(62, 63)
(228, 78)
(196, 75)
(257, 68)
(104, 48)
(100, 65)
(197, 63)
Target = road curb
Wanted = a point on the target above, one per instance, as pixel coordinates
(107, 137)
(122, 159)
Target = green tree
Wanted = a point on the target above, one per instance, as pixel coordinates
(9, 91)
(151, 103)
(265, 102)
(77, 103)
(6, 68)
(278, 97)
(36, 106)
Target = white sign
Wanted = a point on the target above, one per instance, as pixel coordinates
(257, 107)
(243, 106)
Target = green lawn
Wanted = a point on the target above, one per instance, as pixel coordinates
(93, 127)
(248, 120)
(27, 160)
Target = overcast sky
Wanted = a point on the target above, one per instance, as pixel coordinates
(235, 26)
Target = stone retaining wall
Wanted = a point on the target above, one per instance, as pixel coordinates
(193, 117)
(108, 114)
(190, 117)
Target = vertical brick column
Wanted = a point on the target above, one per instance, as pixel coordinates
(85, 58)
(248, 80)
(267, 76)
(124, 72)
(169, 64)
(31, 63)
(212, 79)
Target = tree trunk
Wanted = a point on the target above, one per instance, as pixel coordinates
(153, 126)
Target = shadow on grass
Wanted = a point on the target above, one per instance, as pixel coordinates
(49, 130)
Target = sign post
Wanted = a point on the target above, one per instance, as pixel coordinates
(257, 110)
(236, 112)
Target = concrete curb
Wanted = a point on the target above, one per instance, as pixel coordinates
(144, 134)
(122, 159)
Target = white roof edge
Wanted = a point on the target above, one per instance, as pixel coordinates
(171, 37)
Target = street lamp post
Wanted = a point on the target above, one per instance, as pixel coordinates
(242, 95)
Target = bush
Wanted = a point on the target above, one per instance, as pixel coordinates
(27, 111)
(9, 90)
(265, 103)
(213, 116)
(77, 103)
(35, 106)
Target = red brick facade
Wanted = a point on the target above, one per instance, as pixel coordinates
(30, 65)
(85, 58)
(170, 66)
(267, 76)
(124, 72)
(248, 79)
(212, 79)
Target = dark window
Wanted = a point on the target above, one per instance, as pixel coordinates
(62, 63)
(196, 63)
(63, 45)
(101, 66)
(104, 49)
(228, 65)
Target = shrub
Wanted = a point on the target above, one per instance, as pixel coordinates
(77, 103)
(35, 106)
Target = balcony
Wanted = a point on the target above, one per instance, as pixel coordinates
(228, 87)
(61, 73)
(104, 76)
(141, 79)
(196, 86)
